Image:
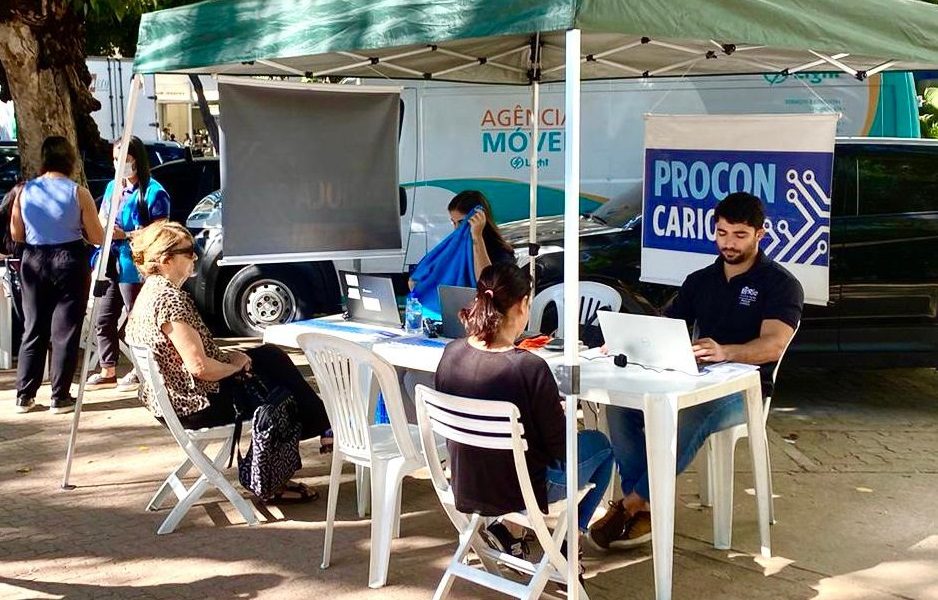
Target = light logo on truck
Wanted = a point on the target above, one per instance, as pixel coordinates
(507, 131)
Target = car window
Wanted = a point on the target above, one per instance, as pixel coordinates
(897, 180)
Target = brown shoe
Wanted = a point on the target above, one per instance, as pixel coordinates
(637, 532)
(610, 527)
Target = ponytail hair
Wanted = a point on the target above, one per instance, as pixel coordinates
(500, 287)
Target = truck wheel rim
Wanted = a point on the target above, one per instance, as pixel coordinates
(268, 302)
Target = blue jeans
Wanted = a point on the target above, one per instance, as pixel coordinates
(694, 426)
(594, 466)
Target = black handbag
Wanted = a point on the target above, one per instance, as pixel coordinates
(274, 454)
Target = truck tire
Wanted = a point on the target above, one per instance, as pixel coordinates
(262, 295)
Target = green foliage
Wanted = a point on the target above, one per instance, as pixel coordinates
(111, 25)
(928, 119)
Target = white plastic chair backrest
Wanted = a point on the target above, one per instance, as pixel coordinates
(345, 371)
(768, 399)
(593, 296)
(149, 373)
(488, 424)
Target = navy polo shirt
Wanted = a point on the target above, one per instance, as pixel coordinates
(731, 312)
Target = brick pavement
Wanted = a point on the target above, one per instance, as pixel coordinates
(857, 478)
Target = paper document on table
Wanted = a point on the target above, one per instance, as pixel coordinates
(592, 353)
(729, 369)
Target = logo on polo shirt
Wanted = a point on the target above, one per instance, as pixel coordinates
(747, 296)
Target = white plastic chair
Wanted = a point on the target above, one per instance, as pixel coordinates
(593, 296)
(717, 470)
(344, 371)
(494, 426)
(193, 443)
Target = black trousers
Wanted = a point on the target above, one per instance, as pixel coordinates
(54, 281)
(273, 367)
(109, 328)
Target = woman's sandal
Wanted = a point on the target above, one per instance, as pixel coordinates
(301, 494)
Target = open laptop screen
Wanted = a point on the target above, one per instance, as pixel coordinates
(370, 298)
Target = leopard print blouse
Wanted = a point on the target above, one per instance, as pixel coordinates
(162, 302)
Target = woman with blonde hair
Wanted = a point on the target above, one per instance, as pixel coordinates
(200, 376)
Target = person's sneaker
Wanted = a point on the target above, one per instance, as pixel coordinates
(637, 532)
(609, 527)
(128, 383)
(499, 538)
(24, 405)
(100, 382)
(60, 407)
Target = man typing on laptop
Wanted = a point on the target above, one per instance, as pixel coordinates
(745, 308)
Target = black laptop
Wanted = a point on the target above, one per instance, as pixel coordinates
(370, 299)
(452, 300)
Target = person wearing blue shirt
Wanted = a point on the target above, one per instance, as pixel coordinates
(50, 215)
(142, 201)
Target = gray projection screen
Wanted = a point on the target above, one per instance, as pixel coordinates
(309, 172)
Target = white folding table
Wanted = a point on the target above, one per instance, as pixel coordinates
(659, 396)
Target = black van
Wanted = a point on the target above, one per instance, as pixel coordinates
(883, 308)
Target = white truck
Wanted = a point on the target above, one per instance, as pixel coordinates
(456, 137)
(110, 85)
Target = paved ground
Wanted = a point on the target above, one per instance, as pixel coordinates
(854, 461)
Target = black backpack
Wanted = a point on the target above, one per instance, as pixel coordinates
(274, 454)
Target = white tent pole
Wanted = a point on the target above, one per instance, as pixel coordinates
(571, 297)
(98, 284)
(535, 133)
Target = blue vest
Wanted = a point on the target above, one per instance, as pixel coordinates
(51, 212)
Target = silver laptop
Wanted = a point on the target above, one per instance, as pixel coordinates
(653, 342)
(370, 299)
(452, 300)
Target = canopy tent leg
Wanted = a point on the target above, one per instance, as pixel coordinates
(100, 277)
(532, 213)
(571, 296)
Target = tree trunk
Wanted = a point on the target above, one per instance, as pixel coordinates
(41, 96)
(42, 56)
(207, 117)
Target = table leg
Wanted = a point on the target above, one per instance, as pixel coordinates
(661, 446)
(758, 449)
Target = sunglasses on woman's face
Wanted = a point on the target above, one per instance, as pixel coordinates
(187, 251)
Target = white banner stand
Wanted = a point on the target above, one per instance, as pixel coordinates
(99, 281)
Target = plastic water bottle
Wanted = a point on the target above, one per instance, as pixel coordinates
(413, 316)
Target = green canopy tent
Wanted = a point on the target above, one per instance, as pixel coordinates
(523, 42)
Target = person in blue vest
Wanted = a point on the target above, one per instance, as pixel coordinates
(142, 201)
(50, 216)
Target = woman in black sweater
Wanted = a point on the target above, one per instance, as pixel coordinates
(488, 366)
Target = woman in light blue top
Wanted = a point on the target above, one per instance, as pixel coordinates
(49, 214)
(142, 201)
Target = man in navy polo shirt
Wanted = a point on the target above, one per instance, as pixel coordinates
(744, 308)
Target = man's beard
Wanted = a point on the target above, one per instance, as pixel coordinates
(739, 257)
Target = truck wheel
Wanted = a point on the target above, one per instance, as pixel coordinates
(260, 296)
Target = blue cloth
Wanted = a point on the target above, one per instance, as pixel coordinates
(128, 219)
(448, 263)
(694, 426)
(594, 465)
(50, 209)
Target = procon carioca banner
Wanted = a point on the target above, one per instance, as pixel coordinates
(693, 161)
